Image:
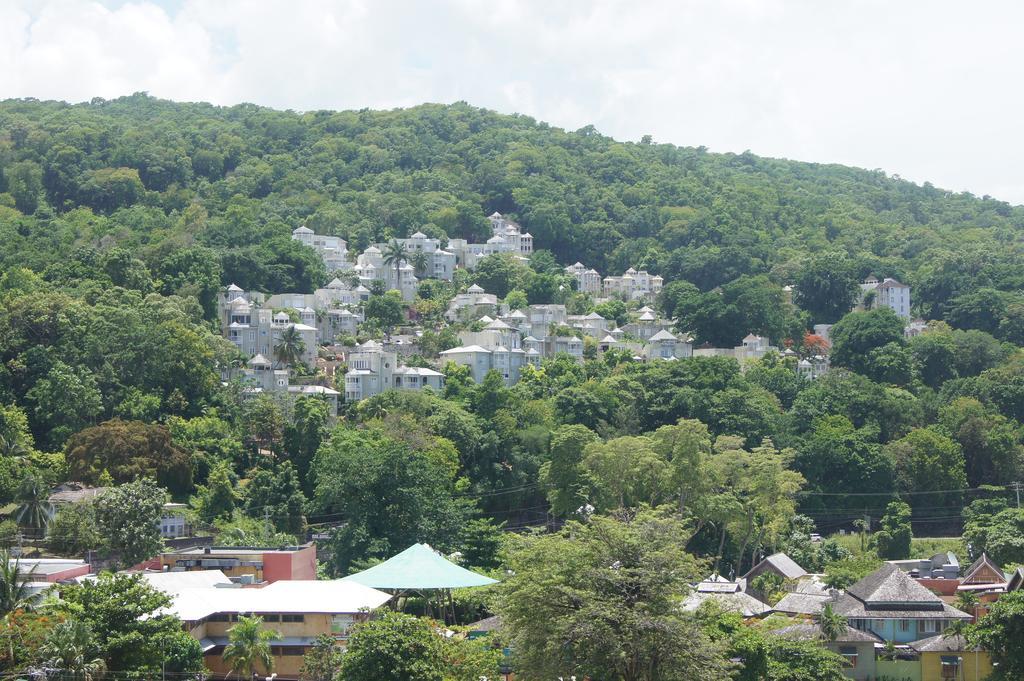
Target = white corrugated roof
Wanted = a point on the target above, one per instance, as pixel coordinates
(295, 596)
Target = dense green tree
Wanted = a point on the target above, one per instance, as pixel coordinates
(1000, 534)
(133, 636)
(892, 541)
(563, 475)
(389, 496)
(857, 335)
(216, 500)
(1001, 632)
(394, 647)
(277, 497)
(598, 599)
(925, 460)
(128, 517)
(826, 287)
(385, 310)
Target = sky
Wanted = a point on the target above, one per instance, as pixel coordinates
(927, 90)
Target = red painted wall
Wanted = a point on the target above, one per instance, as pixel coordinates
(290, 566)
(70, 573)
(944, 587)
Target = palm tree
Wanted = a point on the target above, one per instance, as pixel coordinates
(10, 446)
(69, 653)
(419, 261)
(394, 253)
(14, 589)
(967, 601)
(34, 509)
(291, 346)
(249, 646)
(831, 623)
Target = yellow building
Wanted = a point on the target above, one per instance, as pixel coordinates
(254, 563)
(949, 658)
(298, 611)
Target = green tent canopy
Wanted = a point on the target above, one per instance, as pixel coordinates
(418, 568)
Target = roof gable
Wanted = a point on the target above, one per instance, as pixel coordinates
(984, 571)
(889, 585)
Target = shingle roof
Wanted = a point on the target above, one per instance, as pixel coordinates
(487, 624)
(941, 644)
(812, 632)
(889, 584)
(801, 604)
(742, 603)
(662, 335)
(781, 563)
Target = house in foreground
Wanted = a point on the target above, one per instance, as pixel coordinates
(892, 605)
(857, 647)
(296, 611)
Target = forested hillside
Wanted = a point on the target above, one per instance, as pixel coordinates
(122, 220)
(153, 176)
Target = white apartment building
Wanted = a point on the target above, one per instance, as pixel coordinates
(372, 370)
(506, 237)
(471, 304)
(261, 377)
(664, 345)
(588, 280)
(888, 293)
(647, 324)
(440, 263)
(370, 266)
(333, 249)
(752, 347)
(633, 284)
(592, 324)
(257, 331)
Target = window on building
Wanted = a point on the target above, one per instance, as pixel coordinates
(904, 625)
(879, 625)
(293, 618)
(849, 653)
(950, 667)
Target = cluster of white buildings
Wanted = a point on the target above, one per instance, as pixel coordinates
(439, 262)
(632, 285)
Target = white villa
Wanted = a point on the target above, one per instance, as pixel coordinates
(753, 347)
(633, 284)
(333, 249)
(471, 304)
(370, 267)
(372, 370)
(588, 279)
(262, 377)
(888, 293)
(506, 237)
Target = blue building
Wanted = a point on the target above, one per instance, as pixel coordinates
(892, 605)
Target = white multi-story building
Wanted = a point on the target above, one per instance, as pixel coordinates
(592, 324)
(887, 293)
(471, 304)
(588, 280)
(633, 284)
(440, 264)
(333, 249)
(506, 237)
(664, 345)
(497, 347)
(752, 347)
(370, 267)
(258, 331)
(372, 370)
(646, 324)
(260, 376)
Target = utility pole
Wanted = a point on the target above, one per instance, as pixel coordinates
(1017, 486)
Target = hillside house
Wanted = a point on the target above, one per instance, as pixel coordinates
(892, 605)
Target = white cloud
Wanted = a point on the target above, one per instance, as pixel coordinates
(929, 90)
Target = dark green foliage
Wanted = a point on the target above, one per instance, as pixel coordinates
(1001, 632)
(892, 541)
